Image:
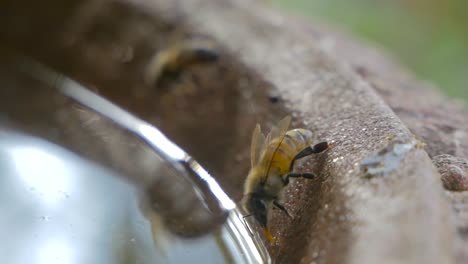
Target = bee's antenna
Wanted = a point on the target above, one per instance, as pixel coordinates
(281, 207)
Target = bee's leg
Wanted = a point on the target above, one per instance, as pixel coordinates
(281, 207)
(317, 148)
(298, 175)
(321, 147)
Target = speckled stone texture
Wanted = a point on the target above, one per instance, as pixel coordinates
(272, 65)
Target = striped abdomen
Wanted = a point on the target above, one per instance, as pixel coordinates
(285, 148)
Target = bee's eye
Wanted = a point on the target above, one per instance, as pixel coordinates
(259, 211)
(206, 55)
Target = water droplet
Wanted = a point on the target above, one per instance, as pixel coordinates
(45, 218)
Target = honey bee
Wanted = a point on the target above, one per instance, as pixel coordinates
(272, 164)
(179, 56)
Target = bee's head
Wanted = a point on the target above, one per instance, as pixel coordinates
(256, 206)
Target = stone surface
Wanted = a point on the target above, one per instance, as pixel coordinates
(346, 92)
(453, 171)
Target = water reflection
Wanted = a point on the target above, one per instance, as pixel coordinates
(59, 208)
(56, 251)
(42, 173)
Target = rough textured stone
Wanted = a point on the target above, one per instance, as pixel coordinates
(454, 172)
(330, 84)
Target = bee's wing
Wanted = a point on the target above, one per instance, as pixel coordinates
(275, 136)
(258, 141)
(279, 130)
(283, 126)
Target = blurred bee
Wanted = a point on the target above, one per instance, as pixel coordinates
(179, 56)
(272, 164)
